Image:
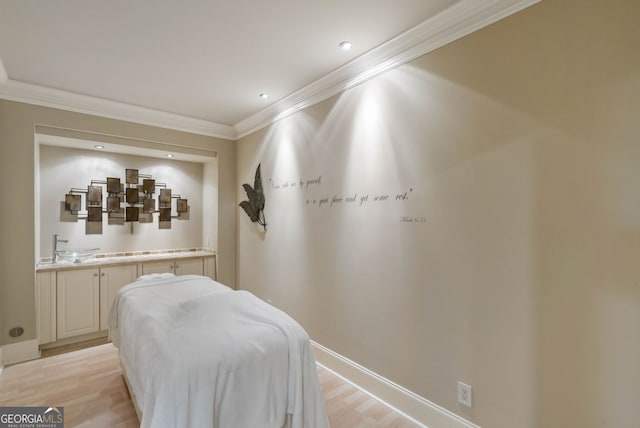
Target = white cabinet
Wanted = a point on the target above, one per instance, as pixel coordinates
(73, 303)
(210, 270)
(112, 278)
(183, 266)
(78, 302)
(189, 266)
(46, 309)
(83, 298)
(163, 266)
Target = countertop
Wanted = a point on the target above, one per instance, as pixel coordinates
(125, 258)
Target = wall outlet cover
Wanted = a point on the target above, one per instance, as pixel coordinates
(464, 394)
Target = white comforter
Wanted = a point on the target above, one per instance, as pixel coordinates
(199, 354)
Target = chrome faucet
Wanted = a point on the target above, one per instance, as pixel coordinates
(56, 240)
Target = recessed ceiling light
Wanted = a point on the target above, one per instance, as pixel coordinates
(346, 45)
(99, 146)
(170, 155)
(264, 96)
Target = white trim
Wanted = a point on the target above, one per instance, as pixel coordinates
(13, 353)
(410, 404)
(344, 379)
(453, 23)
(14, 90)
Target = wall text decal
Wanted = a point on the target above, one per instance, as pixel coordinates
(356, 199)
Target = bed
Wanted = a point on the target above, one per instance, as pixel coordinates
(196, 353)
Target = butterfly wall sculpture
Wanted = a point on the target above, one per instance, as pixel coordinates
(254, 207)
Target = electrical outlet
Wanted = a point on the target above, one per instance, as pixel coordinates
(464, 394)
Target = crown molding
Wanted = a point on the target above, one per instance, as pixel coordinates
(453, 23)
(461, 19)
(14, 90)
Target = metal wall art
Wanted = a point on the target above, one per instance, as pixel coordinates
(127, 201)
(254, 207)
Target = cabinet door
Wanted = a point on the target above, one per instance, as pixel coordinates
(78, 303)
(112, 278)
(189, 266)
(164, 266)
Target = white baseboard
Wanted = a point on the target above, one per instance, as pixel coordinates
(415, 407)
(18, 352)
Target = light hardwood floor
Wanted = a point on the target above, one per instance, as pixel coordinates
(88, 383)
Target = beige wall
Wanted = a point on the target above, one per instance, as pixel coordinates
(520, 144)
(17, 237)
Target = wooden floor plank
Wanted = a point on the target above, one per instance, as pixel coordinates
(88, 383)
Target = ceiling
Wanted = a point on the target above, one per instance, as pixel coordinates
(203, 63)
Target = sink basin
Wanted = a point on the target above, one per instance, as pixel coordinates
(76, 255)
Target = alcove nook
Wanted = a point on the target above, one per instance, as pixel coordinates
(65, 159)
